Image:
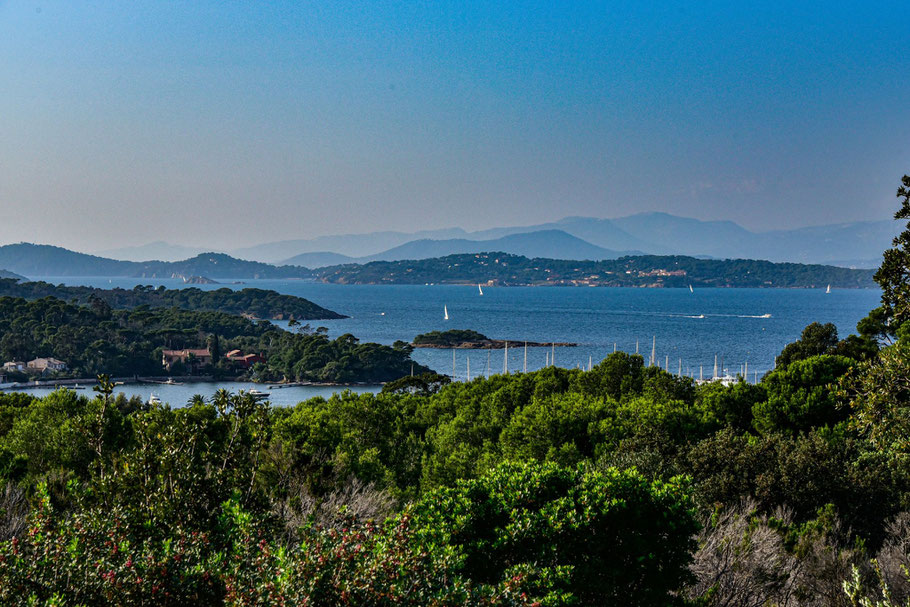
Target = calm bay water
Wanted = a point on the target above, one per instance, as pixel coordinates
(690, 328)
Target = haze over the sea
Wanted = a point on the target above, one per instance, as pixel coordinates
(229, 124)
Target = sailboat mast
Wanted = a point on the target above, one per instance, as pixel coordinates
(653, 352)
(505, 360)
(469, 368)
(453, 364)
(525, 370)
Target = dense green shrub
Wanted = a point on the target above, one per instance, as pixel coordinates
(580, 536)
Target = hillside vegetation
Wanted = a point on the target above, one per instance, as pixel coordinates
(641, 271)
(95, 339)
(259, 303)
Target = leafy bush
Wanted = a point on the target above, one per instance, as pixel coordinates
(579, 536)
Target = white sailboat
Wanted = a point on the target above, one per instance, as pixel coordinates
(828, 290)
(445, 312)
(480, 289)
(691, 290)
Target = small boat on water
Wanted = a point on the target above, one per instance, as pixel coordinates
(691, 290)
(258, 394)
(828, 290)
(445, 312)
(480, 289)
(154, 400)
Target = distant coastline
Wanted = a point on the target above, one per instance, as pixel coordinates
(487, 269)
(645, 271)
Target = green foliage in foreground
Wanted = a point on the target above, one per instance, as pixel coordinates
(180, 517)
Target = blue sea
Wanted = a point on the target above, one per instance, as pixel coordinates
(738, 326)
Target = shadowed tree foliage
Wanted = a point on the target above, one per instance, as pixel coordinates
(894, 274)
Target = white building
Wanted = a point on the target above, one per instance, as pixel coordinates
(46, 364)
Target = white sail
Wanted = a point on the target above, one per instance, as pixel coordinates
(480, 289)
(445, 312)
(691, 290)
(828, 290)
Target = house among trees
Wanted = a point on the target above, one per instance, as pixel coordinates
(243, 361)
(193, 358)
(14, 365)
(43, 365)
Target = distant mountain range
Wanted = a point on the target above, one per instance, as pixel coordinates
(44, 260)
(857, 244)
(6, 274)
(552, 244)
(159, 250)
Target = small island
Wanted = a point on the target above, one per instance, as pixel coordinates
(472, 340)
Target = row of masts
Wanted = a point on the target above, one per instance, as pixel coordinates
(551, 358)
(720, 372)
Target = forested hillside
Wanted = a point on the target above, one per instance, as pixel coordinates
(259, 303)
(96, 339)
(640, 271)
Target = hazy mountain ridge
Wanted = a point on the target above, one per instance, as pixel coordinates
(158, 250)
(552, 244)
(46, 260)
(7, 274)
(857, 243)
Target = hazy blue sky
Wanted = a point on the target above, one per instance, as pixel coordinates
(233, 123)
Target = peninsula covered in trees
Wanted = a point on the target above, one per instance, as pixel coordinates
(257, 303)
(640, 271)
(94, 339)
